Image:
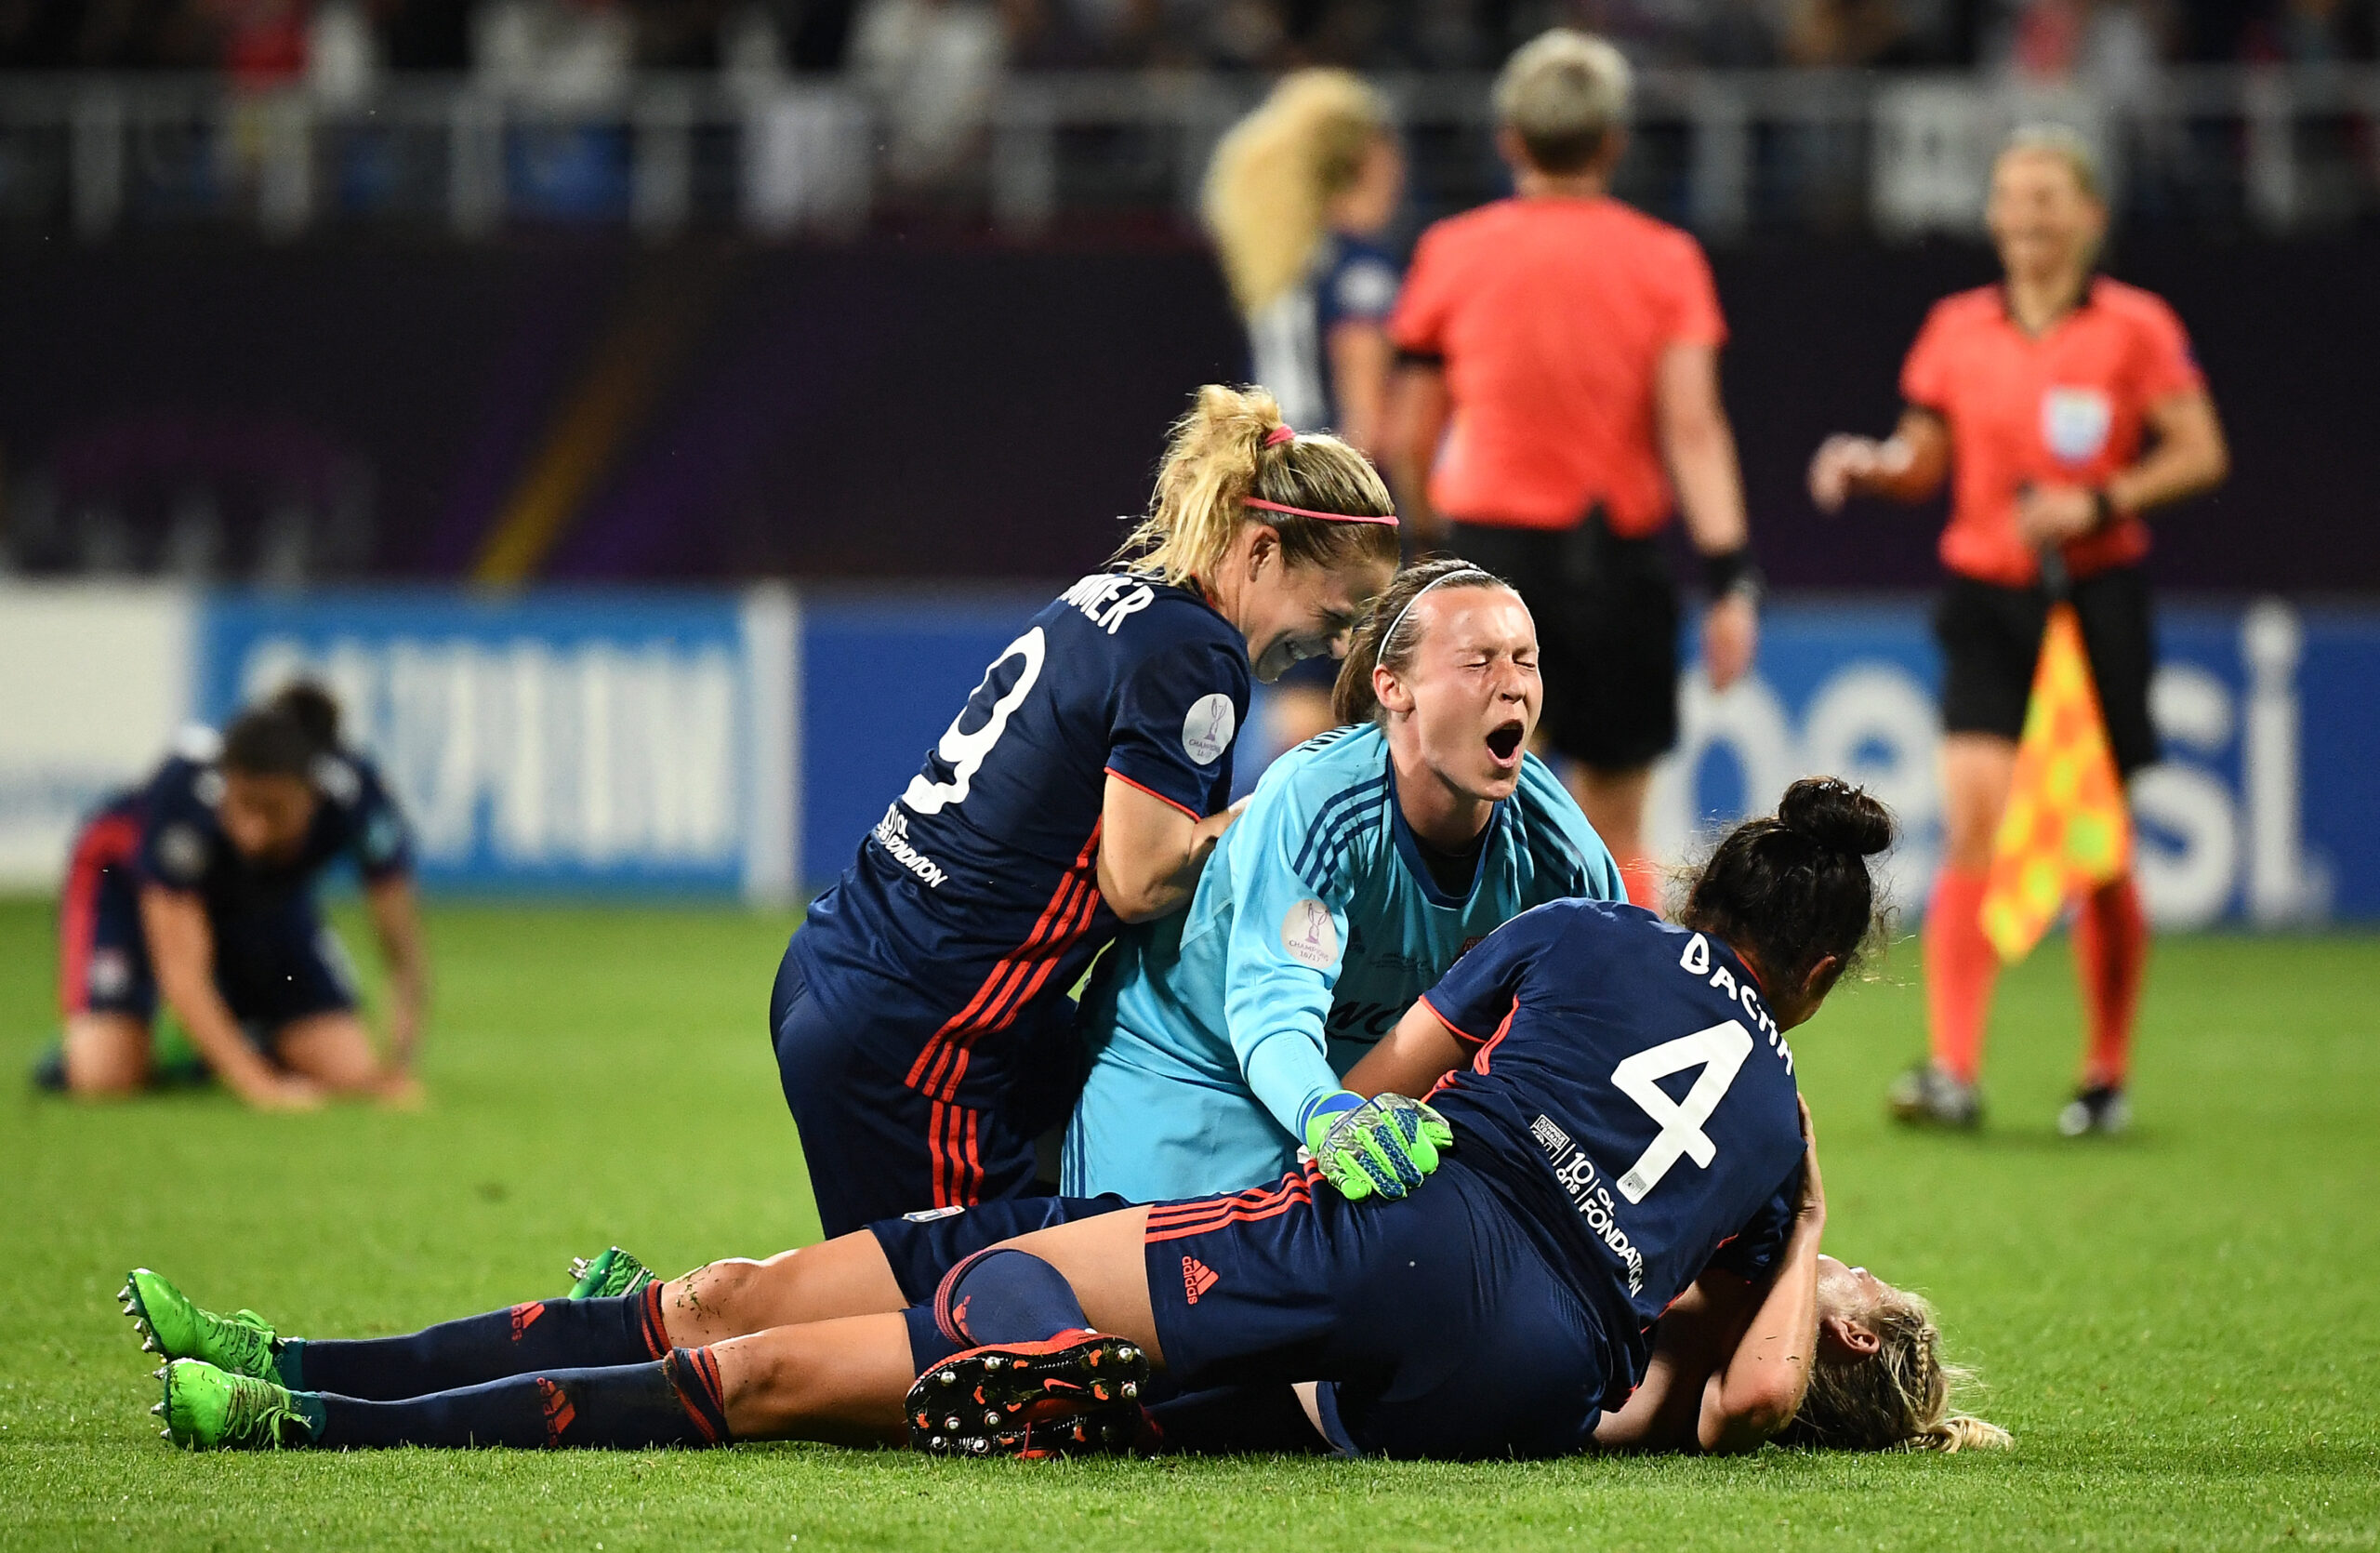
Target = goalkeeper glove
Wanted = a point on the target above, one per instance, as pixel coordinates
(1383, 1145)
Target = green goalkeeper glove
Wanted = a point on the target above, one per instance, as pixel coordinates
(1383, 1145)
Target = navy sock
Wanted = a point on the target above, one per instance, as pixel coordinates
(542, 1335)
(1000, 1295)
(674, 1401)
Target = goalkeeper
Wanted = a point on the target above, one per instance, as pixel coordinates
(1366, 862)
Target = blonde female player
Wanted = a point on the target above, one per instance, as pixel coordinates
(920, 1017)
(1297, 198)
(2059, 405)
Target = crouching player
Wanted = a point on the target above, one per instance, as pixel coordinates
(1508, 1307)
(199, 885)
(1366, 863)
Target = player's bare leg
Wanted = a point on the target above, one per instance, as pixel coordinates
(1614, 803)
(847, 1276)
(839, 1381)
(106, 1054)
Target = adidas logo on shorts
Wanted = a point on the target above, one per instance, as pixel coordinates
(1197, 1278)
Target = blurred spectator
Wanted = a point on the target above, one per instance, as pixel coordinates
(556, 52)
(263, 41)
(933, 66)
(342, 54)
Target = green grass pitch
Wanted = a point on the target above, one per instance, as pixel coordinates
(2179, 1325)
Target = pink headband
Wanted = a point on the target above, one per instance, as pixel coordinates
(1278, 436)
(1387, 521)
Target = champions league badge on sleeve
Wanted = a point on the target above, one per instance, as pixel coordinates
(2075, 423)
(1206, 732)
(1308, 935)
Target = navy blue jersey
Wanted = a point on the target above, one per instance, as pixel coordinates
(1631, 1097)
(1349, 282)
(977, 893)
(183, 847)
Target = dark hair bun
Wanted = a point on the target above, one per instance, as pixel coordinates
(313, 709)
(1836, 815)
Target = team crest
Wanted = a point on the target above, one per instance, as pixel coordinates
(1308, 935)
(1206, 733)
(2075, 423)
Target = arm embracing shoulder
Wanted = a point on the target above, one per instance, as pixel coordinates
(1168, 750)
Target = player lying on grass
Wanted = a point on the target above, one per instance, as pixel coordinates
(923, 1030)
(199, 886)
(1499, 1309)
(1364, 865)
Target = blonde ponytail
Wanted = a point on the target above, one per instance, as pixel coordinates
(1228, 450)
(1272, 177)
(1896, 1398)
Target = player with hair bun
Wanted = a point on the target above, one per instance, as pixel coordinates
(1603, 1262)
(922, 1018)
(198, 887)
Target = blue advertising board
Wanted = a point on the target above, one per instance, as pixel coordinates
(2266, 808)
(585, 742)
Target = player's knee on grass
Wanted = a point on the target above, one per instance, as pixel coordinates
(332, 1049)
(106, 1055)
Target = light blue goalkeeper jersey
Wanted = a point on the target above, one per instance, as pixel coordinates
(1314, 928)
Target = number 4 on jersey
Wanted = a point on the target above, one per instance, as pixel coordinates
(1719, 1052)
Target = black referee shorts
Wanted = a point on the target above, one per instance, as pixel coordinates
(1991, 637)
(1606, 614)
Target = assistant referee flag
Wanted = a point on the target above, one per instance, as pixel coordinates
(2065, 829)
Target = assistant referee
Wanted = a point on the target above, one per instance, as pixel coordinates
(1558, 371)
(2060, 405)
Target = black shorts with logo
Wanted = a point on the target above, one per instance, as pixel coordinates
(1991, 635)
(1606, 612)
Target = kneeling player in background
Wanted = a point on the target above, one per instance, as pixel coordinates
(199, 885)
(1496, 1311)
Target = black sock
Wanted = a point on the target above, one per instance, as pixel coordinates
(999, 1295)
(1233, 1419)
(674, 1401)
(542, 1335)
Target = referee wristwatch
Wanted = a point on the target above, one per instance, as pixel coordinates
(1734, 572)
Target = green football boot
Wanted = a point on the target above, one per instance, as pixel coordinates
(607, 1275)
(242, 1342)
(207, 1409)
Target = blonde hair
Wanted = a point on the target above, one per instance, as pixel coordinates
(1222, 454)
(2061, 143)
(1270, 185)
(1563, 93)
(1385, 636)
(1897, 1399)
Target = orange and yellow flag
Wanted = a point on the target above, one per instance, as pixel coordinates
(2066, 828)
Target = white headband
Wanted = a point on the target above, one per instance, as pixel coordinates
(1468, 574)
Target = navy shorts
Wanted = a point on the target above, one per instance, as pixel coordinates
(922, 1246)
(272, 968)
(877, 1148)
(1438, 1327)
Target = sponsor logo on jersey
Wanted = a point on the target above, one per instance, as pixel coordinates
(1108, 599)
(891, 833)
(1583, 1182)
(2075, 423)
(1308, 935)
(1206, 732)
(1196, 1278)
(1363, 1021)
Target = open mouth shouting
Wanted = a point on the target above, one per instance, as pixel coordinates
(1504, 744)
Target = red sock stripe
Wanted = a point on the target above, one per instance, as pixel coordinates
(943, 1062)
(108, 842)
(694, 1373)
(657, 1331)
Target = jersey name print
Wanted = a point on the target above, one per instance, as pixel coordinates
(977, 895)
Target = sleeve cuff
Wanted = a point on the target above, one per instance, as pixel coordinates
(1161, 798)
(1284, 1072)
(1452, 1029)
